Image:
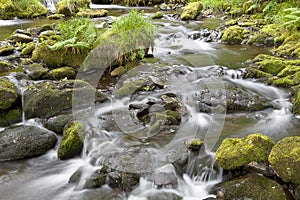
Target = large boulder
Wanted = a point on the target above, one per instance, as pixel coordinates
(235, 152)
(18, 142)
(45, 99)
(251, 186)
(69, 8)
(8, 93)
(72, 140)
(285, 159)
(234, 35)
(192, 10)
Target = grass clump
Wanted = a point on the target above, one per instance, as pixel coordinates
(78, 34)
(129, 38)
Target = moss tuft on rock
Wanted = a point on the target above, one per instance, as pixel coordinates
(6, 50)
(8, 93)
(72, 140)
(27, 51)
(296, 106)
(191, 11)
(285, 159)
(71, 7)
(235, 152)
(92, 13)
(62, 73)
(234, 35)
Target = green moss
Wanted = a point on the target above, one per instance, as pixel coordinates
(236, 11)
(58, 58)
(282, 82)
(118, 71)
(264, 35)
(6, 50)
(157, 15)
(20, 38)
(92, 13)
(10, 117)
(35, 70)
(232, 22)
(234, 35)
(72, 140)
(63, 72)
(5, 66)
(23, 9)
(296, 106)
(56, 16)
(71, 7)
(235, 152)
(271, 66)
(28, 49)
(285, 159)
(129, 88)
(261, 57)
(191, 11)
(256, 73)
(173, 114)
(289, 70)
(8, 93)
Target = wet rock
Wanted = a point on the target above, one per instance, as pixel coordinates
(57, 58)
(10, 117)
(251, 186)
(57, 123)
(97, 179)
(92, 13)
(22, 38)
(28, 49)
(45, 99)
(18, 142)
(72, 140)
(285, 159)
(62, 73)
(8, 93)
(35, 71)
(114, 180)
(165, 180)
(160, 194)
(235, 152)
(260, 168)
(296, 106)
(47, 34)
(118, 71)
(157, 15)
(191, 11)
(56, 16)
(265, 36)
(234, 35)
(193, 144)
(7, 50)
(71, 8)
(5, 66)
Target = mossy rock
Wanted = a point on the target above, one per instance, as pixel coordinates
(72, 140)
(5, 66)
(256, 73)
(191, 11)
(20, 38)
(281, 82)
(285, 159)
(35, 71)
(27, 51)
(296, 106)
(251, 186)
(235, 152)
(58, 58)
(118, 71)
(57, 123)
(157, 15)
(56, 16)
(8, 93)
(289, 70)
(92, 13)
(261, 57)
(70, 8)
(62, 73)
(271, 66)
(23, 9)
(7, 50)
(10, 117)
(236, 11)
(129, 88)
(234, 35)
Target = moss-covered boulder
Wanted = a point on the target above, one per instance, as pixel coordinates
(5, 66)
(7, 50)
(71, 7)
(191, 11)
(48, 98)
(22, 9)
(35, 71)
(27, 51)
(20, 38)
(72, 140)
(62, 73)
(265, 36)
(56, 16)
(92, 13)
(234, 35)
(10, 117)
(8, 93)
(251, 186)
(272, 66)
(285, 159)
(235, 152)
(296, 106)
(23, 141)
(58, 58)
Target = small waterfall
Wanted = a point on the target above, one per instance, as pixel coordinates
(50, 5)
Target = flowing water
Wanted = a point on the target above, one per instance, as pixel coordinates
(116, 138)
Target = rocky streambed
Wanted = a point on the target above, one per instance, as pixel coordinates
(188, 121)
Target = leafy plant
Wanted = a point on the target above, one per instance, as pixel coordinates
(292, 18)
(129, 37)
(79, 34)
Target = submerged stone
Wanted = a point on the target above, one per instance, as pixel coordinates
(191, 11)
(18, 142)
(72, 140)
(235, 152)
(285, 159)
